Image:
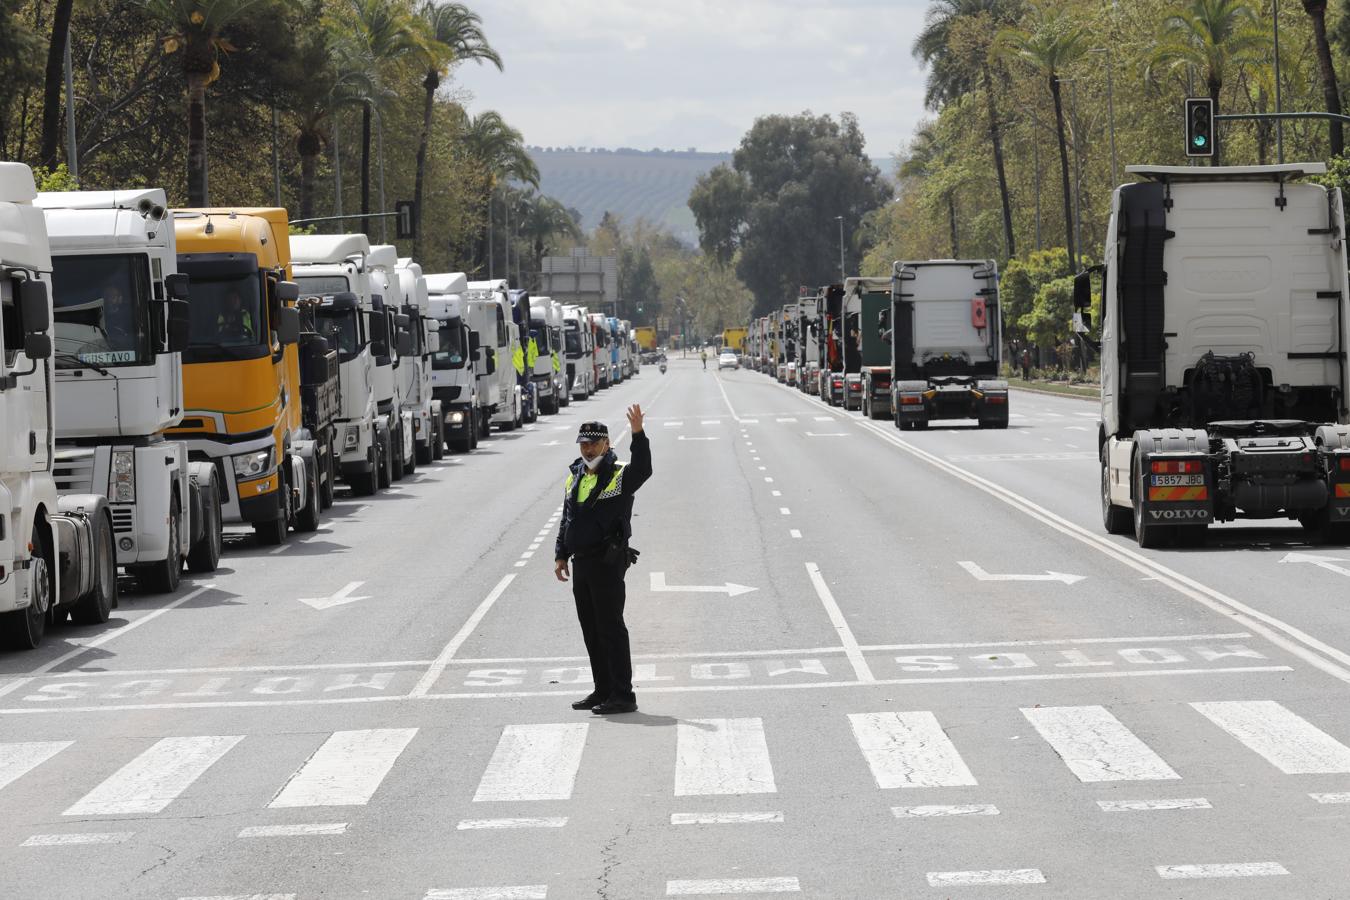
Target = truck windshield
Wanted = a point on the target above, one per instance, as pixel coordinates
(227, 320)
(340, 328)
(572, 340)
(541, 339)
(102, 307)
(451, 354)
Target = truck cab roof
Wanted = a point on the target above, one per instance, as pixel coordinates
(1176, 174)
(101, 199)
(447, 282)
(384, 256)
(321, 249)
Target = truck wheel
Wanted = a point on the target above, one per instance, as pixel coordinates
(399, 469)
(205, 554)
(308, 518)
(1148, 534)
(95, 607)
(1115, 519)
(365, 484)
(385, 464)
(274, 532)
(426, 450)
(162, 577)
(23, 629)
(438, 447)
(866, 407)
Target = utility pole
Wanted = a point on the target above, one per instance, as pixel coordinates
(72, 151)
(1110, 112)
(843, 273)
(1279, 105)
(276, 162)
(337, 163)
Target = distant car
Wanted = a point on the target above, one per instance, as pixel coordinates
(727, 359)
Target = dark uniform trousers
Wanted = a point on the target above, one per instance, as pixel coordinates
(598, 589)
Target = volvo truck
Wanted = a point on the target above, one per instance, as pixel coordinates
(490, 316)
(424, 332)
(454, 379)
(388, 341)
(332, 272)
(579, 352)
(57, 553)
(524, 353)
(866, 355)
(1223, 352)
(604, 375)
(542, 371)
(945, 329)
(241, 369)
(121, 324)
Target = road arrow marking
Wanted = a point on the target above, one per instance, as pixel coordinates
(828, 434)
(731, 590)
(982, 575)
(338, 599)
(684, 438)
(1322, 562)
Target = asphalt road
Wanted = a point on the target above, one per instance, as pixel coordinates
(870, 664)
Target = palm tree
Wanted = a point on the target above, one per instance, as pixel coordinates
(926, 159)
(198, 30)
(499, 152)
(383, 33)
(1215, 37)
(53, 80)
(1317, 11)
(455, 34)
(541, 220)
(328, 85)
(950, 76)
(1052, 44)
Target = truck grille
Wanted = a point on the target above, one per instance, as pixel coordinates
(74, 471)
(124, 519)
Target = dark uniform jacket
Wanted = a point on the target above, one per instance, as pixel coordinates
(607, 511)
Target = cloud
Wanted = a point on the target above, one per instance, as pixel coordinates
(629, 72)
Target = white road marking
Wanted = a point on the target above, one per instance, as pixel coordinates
(1222, 870)
(87, 837)
(828, 434)
(986, 876)
(1024, 457)
(687, 438)
(340, 597)
(513, 892)
(16, 760)
(789, 419)
(726, 818)
(909, 750)
(154, 779)
(534, 546)
(1087, 415)
(981, 575)
(1339, 797)
(1290, 743)
(279, 550)
(767, 479)
(722, 756)
(749, 421)
(673, 424)
(243, 897)
(527, 554)
(686, 887)
(861, 670)
(534, 762)
(822, 418)
(794, 533)
(1146, 639)
(311, 830)
(1153, 805)
(447, 653)
(711, 422)
(928, 812)
(346, 770)
(784, 511)
(776, 493)
(659, 586)
(494, 824)
(1095, 745)
(520, 563)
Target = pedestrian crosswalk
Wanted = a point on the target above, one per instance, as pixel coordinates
(712, 757)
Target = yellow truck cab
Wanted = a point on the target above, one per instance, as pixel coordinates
(241, 370)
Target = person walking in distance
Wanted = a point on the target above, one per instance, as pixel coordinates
(703, 355)
(594, 533)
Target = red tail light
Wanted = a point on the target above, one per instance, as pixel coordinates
(997, 398)
(910, 401)
(1178, 467)
(1345, 463)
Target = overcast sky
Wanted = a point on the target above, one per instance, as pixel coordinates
(693, 73)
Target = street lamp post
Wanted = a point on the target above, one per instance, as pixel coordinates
(1110, 112)
(1279, 105)
(843, 273)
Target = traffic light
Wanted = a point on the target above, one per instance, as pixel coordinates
(1199, 126)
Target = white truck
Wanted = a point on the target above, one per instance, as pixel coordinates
(543, 372)
(578, 352)
(57, 554)
(555, 341)
(945, 330)
(490, 318)
(454, 378)
(604, 371)
(389, 344)
(334, 270)
(428, 422)
(1223, 352)
(121, 324)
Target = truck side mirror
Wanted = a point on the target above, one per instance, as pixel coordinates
(402, 320)
(288, 291)
(37, 345)
(177, 285)
(180, 324)
(491, 357)
(1087, 319)
(404, 343)
(1082, 289)
(288, 325)
(35, 312)
(473, 344)
(432, 340)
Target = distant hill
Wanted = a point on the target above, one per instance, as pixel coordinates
(632, 184)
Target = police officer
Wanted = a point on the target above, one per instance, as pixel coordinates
(596, 526)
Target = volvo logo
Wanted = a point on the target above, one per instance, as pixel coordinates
(1179, 513)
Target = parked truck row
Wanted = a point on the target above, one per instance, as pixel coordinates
(168, 373)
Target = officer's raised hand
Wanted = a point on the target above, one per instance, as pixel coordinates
(635, 418)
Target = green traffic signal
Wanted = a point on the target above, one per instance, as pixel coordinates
(1199, 140)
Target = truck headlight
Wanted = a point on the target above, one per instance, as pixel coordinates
(252, 465)
(122, 477)
(455, 418)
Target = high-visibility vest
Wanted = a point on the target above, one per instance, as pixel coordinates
(518, 359)
(531, 354)
(557, 362)
(588, 481)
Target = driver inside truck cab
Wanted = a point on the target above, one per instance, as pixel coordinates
(118, 326)
(235, 322)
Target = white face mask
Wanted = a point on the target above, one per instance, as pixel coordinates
(592, 462)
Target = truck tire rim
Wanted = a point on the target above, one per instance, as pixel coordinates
(42, 587)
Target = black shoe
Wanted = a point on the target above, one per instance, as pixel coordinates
(589, 703)
(613, 707)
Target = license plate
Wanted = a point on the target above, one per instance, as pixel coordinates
(1177, 480)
